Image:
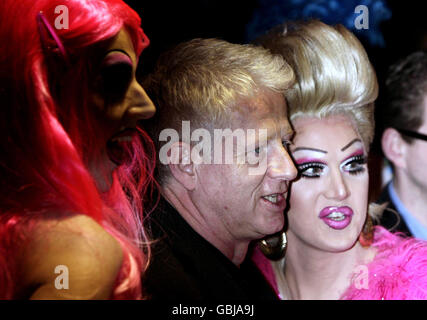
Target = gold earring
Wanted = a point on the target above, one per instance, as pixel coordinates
(274, 247)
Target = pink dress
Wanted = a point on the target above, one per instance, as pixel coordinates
(398, 271)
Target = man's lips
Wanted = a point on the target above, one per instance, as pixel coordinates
(275, 200)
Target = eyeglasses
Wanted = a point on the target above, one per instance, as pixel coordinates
(413, 134)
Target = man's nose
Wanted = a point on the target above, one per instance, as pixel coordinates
(281, 166)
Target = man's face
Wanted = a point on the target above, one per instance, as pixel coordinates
(244, 201)
(416, 158)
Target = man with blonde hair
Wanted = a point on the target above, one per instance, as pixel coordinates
(221, 133)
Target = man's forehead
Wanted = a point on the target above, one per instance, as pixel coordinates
(263, 106)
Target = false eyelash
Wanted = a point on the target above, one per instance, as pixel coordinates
(357, 171)
(360, 160)
(359, 157)
(304, 166)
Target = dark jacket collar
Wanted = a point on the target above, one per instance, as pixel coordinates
(185, 265)
(391, 219)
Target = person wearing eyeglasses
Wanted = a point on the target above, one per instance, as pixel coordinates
(404, 144)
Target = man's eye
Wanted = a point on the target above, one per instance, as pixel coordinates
(286, 144)
(311, 170)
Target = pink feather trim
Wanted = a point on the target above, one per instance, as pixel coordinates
(398, 272)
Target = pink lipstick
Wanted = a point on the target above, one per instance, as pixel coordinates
(336, 218)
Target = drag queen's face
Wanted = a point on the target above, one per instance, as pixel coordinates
(120, 97)
(328, 203)
(119, 101)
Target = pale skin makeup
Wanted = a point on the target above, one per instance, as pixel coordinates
(328, 208)
(226, 204)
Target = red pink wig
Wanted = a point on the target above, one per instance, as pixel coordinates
(48, 133)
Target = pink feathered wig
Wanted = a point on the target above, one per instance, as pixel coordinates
(48, 133)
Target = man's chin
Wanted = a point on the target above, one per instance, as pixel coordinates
(272, 227)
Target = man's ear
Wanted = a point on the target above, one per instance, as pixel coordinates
(394, 147)
(181, 165)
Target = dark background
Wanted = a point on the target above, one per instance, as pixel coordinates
(168, 23)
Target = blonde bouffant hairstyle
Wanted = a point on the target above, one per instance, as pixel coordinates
(333, 76)
(333, 73)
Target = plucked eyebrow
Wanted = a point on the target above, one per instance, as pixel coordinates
(350, 143)
(323, 151)
(310, 149)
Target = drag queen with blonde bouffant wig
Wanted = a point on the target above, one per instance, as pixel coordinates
(73, 166)
(333, 250)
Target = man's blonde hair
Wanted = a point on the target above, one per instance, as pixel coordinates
(203, 80)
